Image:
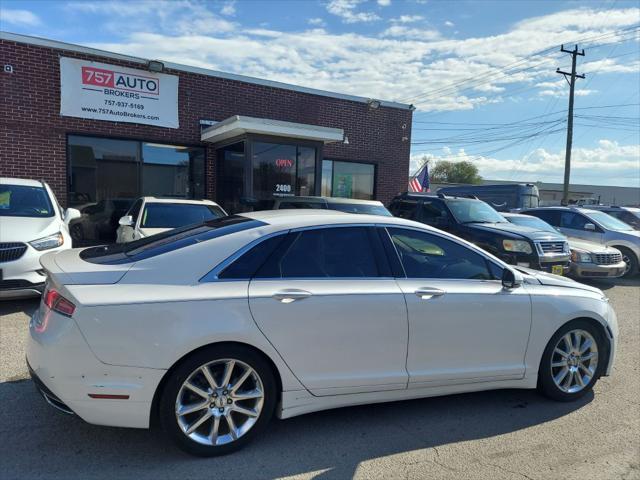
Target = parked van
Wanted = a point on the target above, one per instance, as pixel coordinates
(503, 197)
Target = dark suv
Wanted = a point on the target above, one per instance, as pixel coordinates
(477, 222)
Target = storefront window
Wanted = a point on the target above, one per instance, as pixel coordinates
(306, 170)
(107, 175)
(281, 170)
(347, 179)
(231, 177)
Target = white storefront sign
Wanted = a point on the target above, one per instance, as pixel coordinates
(108, 92)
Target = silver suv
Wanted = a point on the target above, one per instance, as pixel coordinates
(629, 215)
(594, 226)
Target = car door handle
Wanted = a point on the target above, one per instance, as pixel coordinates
(427, 293)
(289, 296)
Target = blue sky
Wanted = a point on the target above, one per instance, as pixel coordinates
(481, 73)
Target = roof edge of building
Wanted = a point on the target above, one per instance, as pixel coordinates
(44, 42)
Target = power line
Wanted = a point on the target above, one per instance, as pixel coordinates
(506, 69)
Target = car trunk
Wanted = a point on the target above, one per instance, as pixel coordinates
(67, 268)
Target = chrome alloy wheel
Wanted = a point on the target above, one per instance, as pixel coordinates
(627, 263)
(574, 361)
(219, 402)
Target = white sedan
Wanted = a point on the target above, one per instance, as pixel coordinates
(214, 328)
(150, 215)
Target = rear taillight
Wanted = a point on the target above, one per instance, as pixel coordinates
(58, 303)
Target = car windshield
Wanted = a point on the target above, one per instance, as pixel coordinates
(474, 211)
(173, 215)
(533, 222)
(360, 208)
(24, 201)
(609, 222)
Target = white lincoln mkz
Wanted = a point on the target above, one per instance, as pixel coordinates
(213, 328)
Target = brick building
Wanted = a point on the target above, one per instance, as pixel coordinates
(103, 128)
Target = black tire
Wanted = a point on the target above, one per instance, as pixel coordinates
(546, 383)
(76, 232)
(167, 407)
(630, 259)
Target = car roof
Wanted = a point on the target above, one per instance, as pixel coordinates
(320, 199)
(306, 218)
(177, 200)
(20, 181)
(444, 196)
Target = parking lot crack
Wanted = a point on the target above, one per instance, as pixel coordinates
(500, 467)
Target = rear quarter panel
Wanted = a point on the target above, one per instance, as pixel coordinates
(154, 326)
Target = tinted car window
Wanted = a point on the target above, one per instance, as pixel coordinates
(302, 204)
(345, 252)
(24, 201)
(360, 208)
(432, 211)
(424, 255)
(404, 208)
(573, 220)
(249, 263)
(552, 217)
(167, 241)
(172, 215)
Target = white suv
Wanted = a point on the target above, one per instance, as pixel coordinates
(150, 215)
(31, 224)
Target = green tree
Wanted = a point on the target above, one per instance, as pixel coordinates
(454, 172)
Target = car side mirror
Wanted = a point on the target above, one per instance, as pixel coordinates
(510, 279)
(71, 214)
(590, 227)
(126, 221)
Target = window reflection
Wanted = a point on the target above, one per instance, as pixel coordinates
(348, 179)
(107, 175)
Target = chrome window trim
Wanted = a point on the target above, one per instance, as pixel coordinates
(212, 275)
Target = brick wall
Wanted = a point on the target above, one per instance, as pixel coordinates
(33, 134)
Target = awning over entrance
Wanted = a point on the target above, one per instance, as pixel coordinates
(239, 125)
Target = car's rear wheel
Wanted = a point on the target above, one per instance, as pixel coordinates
(572, 361)
(217, 400)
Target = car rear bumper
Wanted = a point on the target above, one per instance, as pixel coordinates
(591, 270)
(67, 372)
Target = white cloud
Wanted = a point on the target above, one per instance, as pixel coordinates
(19, 17)
(384, 3)
(401, 31)
(449, 24)
(316, 22)
(609, 163)
(400, 63)
(177, 17)
(347, 10)
(229, 8)
(407, 19)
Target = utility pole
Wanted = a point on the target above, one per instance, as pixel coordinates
(572, 83)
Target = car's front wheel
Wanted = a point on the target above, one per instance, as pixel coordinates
(217, 400)
(630, 261)
(572, 361)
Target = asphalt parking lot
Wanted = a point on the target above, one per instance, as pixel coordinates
(498, 435)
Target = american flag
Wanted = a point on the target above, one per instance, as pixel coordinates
(420, 181)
